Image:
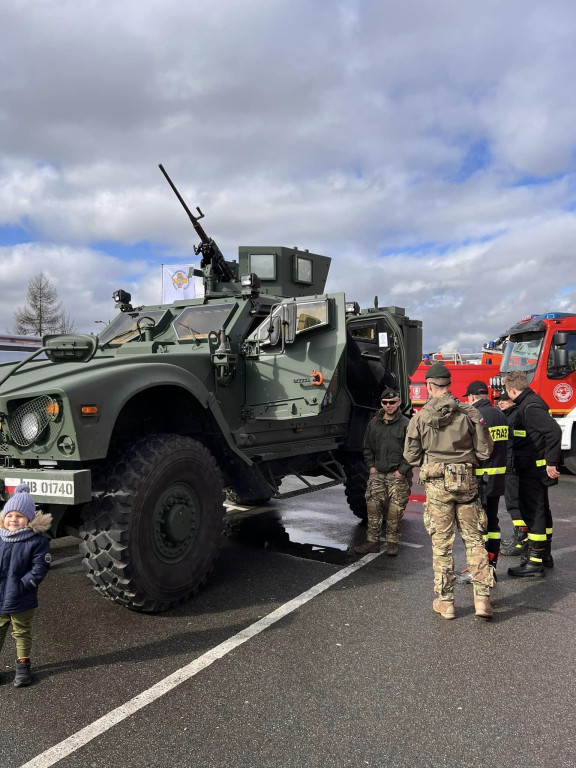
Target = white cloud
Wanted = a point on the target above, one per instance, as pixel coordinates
(355, 129)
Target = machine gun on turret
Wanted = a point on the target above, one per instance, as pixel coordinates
(211, 254)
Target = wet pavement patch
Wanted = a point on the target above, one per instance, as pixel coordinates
(267, 529)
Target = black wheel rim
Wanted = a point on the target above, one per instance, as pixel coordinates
(175, 519)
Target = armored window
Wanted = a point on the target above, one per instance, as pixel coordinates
(363, 332)
(124, 327)
(311, 314)
(264, 265)
(195, 323)
(303, 270)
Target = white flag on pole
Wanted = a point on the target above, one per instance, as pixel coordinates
(177, 283)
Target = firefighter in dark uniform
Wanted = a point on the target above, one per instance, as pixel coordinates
(518, 544)
(491, 472)
(536, 443)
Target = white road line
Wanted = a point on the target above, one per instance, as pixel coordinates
(56, 563)
(100, 726)
(405, 543)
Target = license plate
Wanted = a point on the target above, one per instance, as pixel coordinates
(64, 486)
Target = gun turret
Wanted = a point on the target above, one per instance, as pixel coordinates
(211, 254)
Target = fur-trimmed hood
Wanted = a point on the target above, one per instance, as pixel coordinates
(40, 524)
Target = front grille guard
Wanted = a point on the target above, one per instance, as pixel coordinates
(29, 420)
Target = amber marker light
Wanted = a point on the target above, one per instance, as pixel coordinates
(52, 409)
(89, 410)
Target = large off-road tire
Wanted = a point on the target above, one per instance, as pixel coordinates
(356, 473)
(151, 539)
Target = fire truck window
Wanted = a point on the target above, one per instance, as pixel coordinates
(521, 352)
(570, 348)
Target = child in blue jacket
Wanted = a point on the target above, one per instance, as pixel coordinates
(24, 562)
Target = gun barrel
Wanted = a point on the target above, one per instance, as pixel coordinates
(197, 226)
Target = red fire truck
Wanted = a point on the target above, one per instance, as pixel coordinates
(544, 347)
(463, 368)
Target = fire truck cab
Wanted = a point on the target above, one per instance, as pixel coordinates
(544, 348)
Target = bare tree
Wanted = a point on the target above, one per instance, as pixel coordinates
(43, 313)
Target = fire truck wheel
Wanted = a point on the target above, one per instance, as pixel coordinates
(356, 473)
(150, 541)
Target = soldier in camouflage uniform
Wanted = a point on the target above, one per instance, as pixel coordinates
(388, 488)
(453, 438)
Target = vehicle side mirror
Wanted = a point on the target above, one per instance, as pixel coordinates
(290, 321)
(560, 358)
(560, 338)
(70, 347)
(275, 329)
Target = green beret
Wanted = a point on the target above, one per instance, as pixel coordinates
(389, 394)
(438, 371)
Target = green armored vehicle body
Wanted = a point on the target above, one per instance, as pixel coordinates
(131, 439)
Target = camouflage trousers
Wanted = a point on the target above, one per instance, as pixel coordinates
(443, 511)
(386, 499)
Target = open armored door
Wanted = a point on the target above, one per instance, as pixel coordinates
(294, 358)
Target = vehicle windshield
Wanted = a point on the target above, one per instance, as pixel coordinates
(521, 353)
(197, 322)
(125, 327)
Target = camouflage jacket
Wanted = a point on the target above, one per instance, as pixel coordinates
(447, 431)
(384, 443)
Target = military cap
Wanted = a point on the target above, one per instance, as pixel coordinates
(476, 388)
(438, 371)
(389, 394)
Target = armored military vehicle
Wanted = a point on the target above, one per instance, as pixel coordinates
(130, 439)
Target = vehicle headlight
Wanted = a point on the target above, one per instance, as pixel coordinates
(30, 419)
(30, 427)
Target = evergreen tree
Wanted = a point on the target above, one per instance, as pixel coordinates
(43, 313)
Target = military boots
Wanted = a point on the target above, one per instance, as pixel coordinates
(392, 548)
(483, 607)
(445, 608)
(367, 546)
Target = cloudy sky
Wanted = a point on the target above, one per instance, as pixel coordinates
(427, 147)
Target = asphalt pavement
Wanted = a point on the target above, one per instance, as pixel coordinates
(357, 671)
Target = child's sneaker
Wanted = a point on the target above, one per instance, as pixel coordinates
(23, 674)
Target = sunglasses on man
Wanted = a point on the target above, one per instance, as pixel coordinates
(389, 402)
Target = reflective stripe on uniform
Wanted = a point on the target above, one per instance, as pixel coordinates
(537, 536)
(518, 523)
(498, 433)
(548, 531)
(536, 559)
(541, 462)
(519, 433)
(491, 471)
(494, 535)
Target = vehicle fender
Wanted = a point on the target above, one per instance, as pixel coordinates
(123, 382)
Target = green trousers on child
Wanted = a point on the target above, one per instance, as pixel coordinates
(21, 630)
